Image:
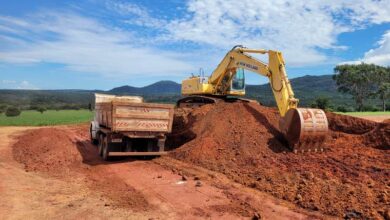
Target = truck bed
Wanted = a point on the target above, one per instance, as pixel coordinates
(119, 116)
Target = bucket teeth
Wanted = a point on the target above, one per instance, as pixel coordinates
(308, 147)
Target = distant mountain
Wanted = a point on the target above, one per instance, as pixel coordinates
(306, 88)
(158, 88)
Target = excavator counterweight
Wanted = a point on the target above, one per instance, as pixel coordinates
(305, 129)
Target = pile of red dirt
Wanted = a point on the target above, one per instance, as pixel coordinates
(350, 179)
(374, 134)
(348, 124)
(47, 150)
(65, 153)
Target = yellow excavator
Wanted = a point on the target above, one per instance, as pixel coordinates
(305, 129)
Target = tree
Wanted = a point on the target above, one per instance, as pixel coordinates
(384, 93)
(382, 81)
(321, 102)
(3, 108)
(357, 80)
(41, 109)
(12, 111)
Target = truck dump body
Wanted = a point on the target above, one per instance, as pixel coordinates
(136, 117)
(125, 125)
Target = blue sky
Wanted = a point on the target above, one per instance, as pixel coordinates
(101, 44)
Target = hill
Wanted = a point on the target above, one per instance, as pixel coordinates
(306, 88)
(161, 87)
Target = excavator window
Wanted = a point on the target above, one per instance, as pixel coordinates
(238, 81)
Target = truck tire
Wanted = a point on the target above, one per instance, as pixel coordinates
(106, 149)
(100, 144)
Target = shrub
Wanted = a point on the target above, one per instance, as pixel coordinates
(12, 112)
(41, 109)
(370, 108)
(322, 103)
(3, 108)
(341, 109)
(71, 107)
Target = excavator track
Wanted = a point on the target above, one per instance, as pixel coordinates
(194, 101)
(305, 129)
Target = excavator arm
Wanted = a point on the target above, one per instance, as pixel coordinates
(305, 129)
(274, 71)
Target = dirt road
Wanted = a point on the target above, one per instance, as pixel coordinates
(55, 172)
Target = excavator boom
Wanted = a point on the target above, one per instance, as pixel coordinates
(305, 129)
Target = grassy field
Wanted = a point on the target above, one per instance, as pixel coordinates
(50, 117)
(365, 113)
(62, 117)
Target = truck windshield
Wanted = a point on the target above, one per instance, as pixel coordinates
(238, 82)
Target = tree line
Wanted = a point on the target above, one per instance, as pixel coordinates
(364, 81)
(361, 81)
(12, 111)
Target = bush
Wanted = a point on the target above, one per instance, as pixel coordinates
(12, 112)
(3, 108)
(71, 107)
(41, 109)
(322, 103)
(370, 108)
(341, 109)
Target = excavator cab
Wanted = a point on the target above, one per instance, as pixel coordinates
(238, 81)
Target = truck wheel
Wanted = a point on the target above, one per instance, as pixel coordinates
(100, 145)
(106, 149)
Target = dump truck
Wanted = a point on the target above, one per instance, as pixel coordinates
(127, 126)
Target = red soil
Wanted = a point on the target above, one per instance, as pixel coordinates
(350, 179)
(60, 153)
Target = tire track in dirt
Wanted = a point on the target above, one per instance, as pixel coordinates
(143, 188)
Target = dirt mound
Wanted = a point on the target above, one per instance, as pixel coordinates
(379, 137)
(348, 124)
(242, 141)
(374, 134)
(47, 150)
(63, 153)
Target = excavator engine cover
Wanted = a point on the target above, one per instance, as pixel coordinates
(305, 129)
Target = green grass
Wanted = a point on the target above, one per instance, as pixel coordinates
(365, 113)
(50, 117)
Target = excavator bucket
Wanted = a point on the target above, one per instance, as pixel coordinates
(305, 129)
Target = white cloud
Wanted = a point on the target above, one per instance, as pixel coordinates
(302, 30)
(137, 15)
(13, 84)
(85, 45)
(379, 55)
(298, 28)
